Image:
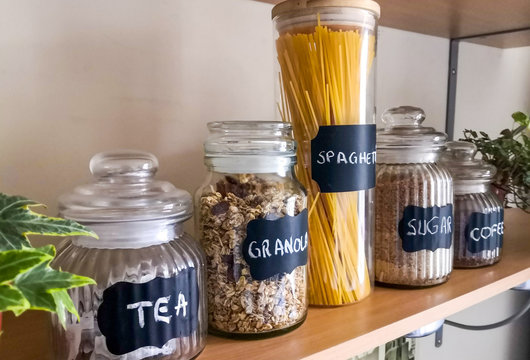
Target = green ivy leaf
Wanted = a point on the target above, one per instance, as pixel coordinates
(14, 262)
(17, 221)
(38, 283)
(63, 303)
(12, 300)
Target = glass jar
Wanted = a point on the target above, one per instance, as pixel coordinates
(149, 301)
(414, 202)
(252, 220)
(479, 215)
(325, 55)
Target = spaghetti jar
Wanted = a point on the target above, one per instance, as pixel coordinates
(252, 220)
(414, 201)
(325, 56)
(149, 301)
(479, 215)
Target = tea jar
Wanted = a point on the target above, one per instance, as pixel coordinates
(251, 218)
(149, 301)
(478, 212)
(414, 202)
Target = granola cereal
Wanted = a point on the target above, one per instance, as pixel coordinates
(237, 303)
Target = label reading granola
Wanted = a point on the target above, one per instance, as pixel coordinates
(343, 158)
(133, 315)
(277, 246)
(484, 231)
(427, 228)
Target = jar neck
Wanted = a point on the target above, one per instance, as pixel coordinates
(403, 156)
(130, 235)
(250, 164)
(462, 187)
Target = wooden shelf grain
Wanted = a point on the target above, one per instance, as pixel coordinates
(341, 332)
(457, 18)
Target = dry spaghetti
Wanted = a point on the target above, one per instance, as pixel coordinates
(323, 72)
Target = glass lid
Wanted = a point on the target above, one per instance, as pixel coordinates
(459, 158)
(125, 190)
(403, 130)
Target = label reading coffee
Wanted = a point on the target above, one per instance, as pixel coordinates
(277, 246)
(343, 158)
(484, 231)
(427, 228)
(133, 315)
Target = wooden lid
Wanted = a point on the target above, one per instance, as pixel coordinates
(294, 5)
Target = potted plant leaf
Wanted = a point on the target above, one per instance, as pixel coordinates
(510, 153)
(26, 279)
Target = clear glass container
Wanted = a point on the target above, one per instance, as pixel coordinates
(252, 220)
(414, 202)
(325, 60)
(149, 301)
(479, 215)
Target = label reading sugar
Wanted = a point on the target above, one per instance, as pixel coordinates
(484, 231)
(133, 315)
(427, 228)
(343, 158)
(277, 246)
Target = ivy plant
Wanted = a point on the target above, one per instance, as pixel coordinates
(510, 153)
(26, 279)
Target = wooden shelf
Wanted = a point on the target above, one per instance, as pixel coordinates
(457, 18)
(336, 333)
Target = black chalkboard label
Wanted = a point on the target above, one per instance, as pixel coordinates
(427, 228)
(134, 315)
(275, 247)
(484, 231)
(343, 158)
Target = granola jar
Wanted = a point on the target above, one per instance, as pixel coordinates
(479, 215)
(251, 218)
(414, 203)
(149, 301)
(325, 52)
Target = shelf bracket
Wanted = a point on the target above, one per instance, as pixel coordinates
(438, 335)
(451, 88)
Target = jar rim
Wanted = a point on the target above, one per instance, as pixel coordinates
(248, 125)
(297, 5)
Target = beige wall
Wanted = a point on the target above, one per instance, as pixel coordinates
(79, 77)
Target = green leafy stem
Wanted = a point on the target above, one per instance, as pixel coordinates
(26, 279)
(510, 153)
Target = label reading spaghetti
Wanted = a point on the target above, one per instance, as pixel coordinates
(274, 247)
(343, 158)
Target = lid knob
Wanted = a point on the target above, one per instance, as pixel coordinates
(403, 116)
(461, 150)
(123, 164)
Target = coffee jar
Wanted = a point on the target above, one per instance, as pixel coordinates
(414, 202)
(149, 301)
(479, 215)
(251, 218)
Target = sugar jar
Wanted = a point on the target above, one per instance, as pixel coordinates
(414, 202)
(479, 215)
(149, 299)
(252, 221)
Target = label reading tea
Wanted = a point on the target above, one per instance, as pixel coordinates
(343, 158)
(427, 228)
(133, 315)
(484, 231)
(277, 246)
